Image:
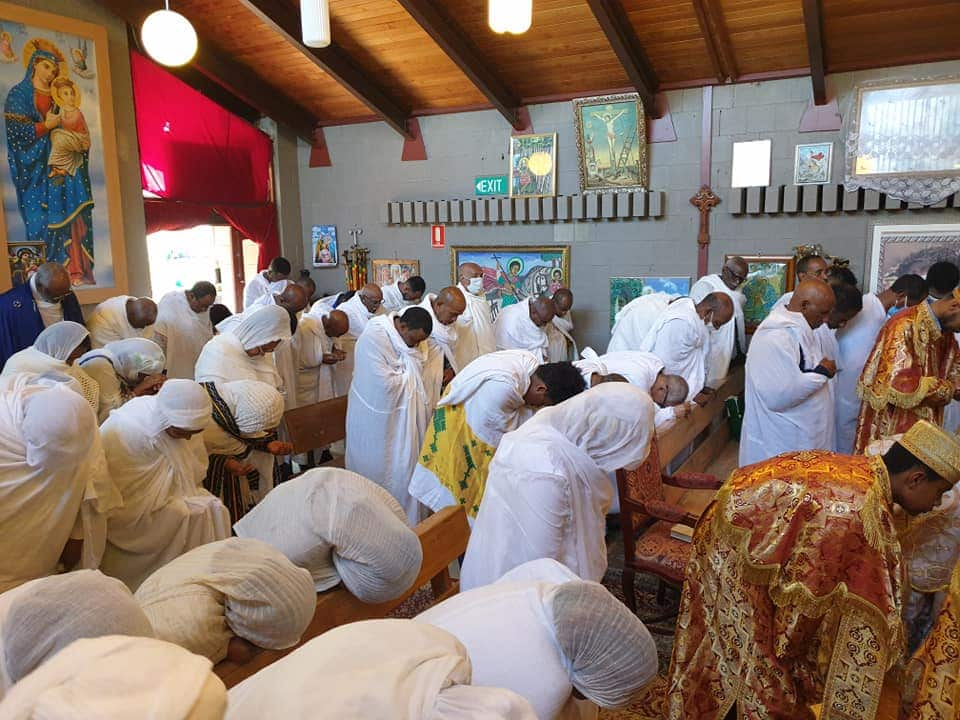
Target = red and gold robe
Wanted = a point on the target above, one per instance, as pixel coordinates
(792, 595)
(909, 376)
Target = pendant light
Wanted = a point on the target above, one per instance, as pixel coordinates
(168, 37)
(315, 22)
(510, 16)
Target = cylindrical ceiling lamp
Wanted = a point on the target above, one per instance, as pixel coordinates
(510, 16)
(168, 37)
(315, 22)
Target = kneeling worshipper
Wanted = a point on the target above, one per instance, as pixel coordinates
(913, 371)
(729, 341)
(795, 577)
(444, 308)
(55, 491)
(120, 318)
(117, 677)
(476, 322)
(243, 444)
(316, 353)
(546, 634)
(157, 459)
(123, 370)
(561, 347)
(233, 593)
(243, 353)
(396, 384)
(183, 327)
(56, 350)
(548, 488)
(522, 326)
(377, 669)
(788, 401)
(339, 526)
(403, 293)
(492, 396)
(42, 617)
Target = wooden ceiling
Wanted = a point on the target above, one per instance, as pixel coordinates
(395, 59)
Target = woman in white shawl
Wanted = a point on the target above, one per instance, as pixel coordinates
(242, 443)
(544, 633)
(56, 349)
(548, 490)
(244, 353)
(157, 459)
(380, 670)
(123, 370)
(55, 492)
(116, 677)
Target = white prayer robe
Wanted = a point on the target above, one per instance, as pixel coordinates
(54, 483)
(476, 329)
(830, 349)
(561, 347)
(116, 367)
(166, 510)
(310, 343)
(181, 334)
(393, 300)
(514, 330)
(723, 340)
(392, 398)
(632, 324)
(108, 322)
(638, 367)
(443, 339)
(359, 317)
(786, 404)
(856, 340)
(50, 313)
(255, 287)
(225, 358)
(548, 490)
(681, 340)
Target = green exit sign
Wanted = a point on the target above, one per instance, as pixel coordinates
(490, 185)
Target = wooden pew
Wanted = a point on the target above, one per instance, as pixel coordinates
(443, 537)
(317, 426)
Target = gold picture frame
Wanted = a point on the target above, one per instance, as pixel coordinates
(533, 165)
(83, 47)
(387, 271)
(618, 160)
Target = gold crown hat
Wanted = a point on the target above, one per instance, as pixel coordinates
(936, 449)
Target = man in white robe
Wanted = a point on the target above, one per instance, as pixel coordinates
(521, 326)
(392, 396)
(260, 283)
(183, 327)
(729, 341)
(444, 308)
(365, 304)
(634, 320)
(561, 345)
(121, 318)
(476, 322)
(403, 293)
(787, 396)
(809, 267)
(316, 353)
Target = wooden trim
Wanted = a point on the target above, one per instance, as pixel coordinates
(813, 24)
(623, 40)
(714, 31)
(708, 451)
(239, 275)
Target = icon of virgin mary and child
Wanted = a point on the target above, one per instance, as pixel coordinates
(48, 143)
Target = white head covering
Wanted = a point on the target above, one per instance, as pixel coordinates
(115, 678)
(130, 357)
(255, 406)
(61, 339)
(262, 327)
(183, 404)
(41, 617)
(339, 525)
(225, 588)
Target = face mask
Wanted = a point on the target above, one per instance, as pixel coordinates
(475, 285)
(893, 311)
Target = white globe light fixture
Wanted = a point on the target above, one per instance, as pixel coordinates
(510, 16)
(168, 37)
(315, 22)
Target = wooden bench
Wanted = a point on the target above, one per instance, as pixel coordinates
(443, 537)
(317, 426)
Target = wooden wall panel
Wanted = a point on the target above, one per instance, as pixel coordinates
(766, 34)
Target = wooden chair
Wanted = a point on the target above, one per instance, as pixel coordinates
(443, 537)
(317, 426)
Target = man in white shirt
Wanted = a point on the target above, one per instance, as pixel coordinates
(260, 283)
(403, 293)
(787, 398)
(476, 322)
(730, 340)
(562, 347)
(121, 318)
(521, 326)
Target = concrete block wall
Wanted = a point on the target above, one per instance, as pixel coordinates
(367, 172)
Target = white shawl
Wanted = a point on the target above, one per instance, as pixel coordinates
(632, 324)
(638, 367)
(310, 343)
(54, 483)
(443, 338)
(476, 329)
(255, 287)
(856, 340)
(681, 340)
(548, 490)
(359, 316)
(393, 300)
(724, 338)
(181, 333)
(119, 364)
(224, 358)
(108, 322)
(561, 345)
(515, 330)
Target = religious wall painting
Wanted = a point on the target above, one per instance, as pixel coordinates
(24, 260)
(625, 289)
(323, 240)
(812, 162)
(910, 249)
(533, 165)
(60, 184)
(611, 137)
(511, 274)
(387, 272)
(768, 278)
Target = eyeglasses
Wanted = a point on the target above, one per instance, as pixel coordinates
(735, 275)
(371, 301)
(57, 298)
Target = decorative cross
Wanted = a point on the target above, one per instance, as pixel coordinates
(705, 200)
(355, 232)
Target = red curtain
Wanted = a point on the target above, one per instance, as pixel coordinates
(197, 158)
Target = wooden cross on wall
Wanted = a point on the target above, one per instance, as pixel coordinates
(705, 200)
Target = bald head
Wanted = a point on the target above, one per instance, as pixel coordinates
(448, 305)
(563, 300)
(716, 309)
(669, 390)
(734, 272)
(141, 312)
(336, 323)
(371, 296)
(542, 311)
(814, 299)
(53, 281)
(293, 299)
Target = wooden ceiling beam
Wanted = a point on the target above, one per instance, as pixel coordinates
(446, 33)
(616, 26)
(813, 23)
(714, 31)
(283, 18)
